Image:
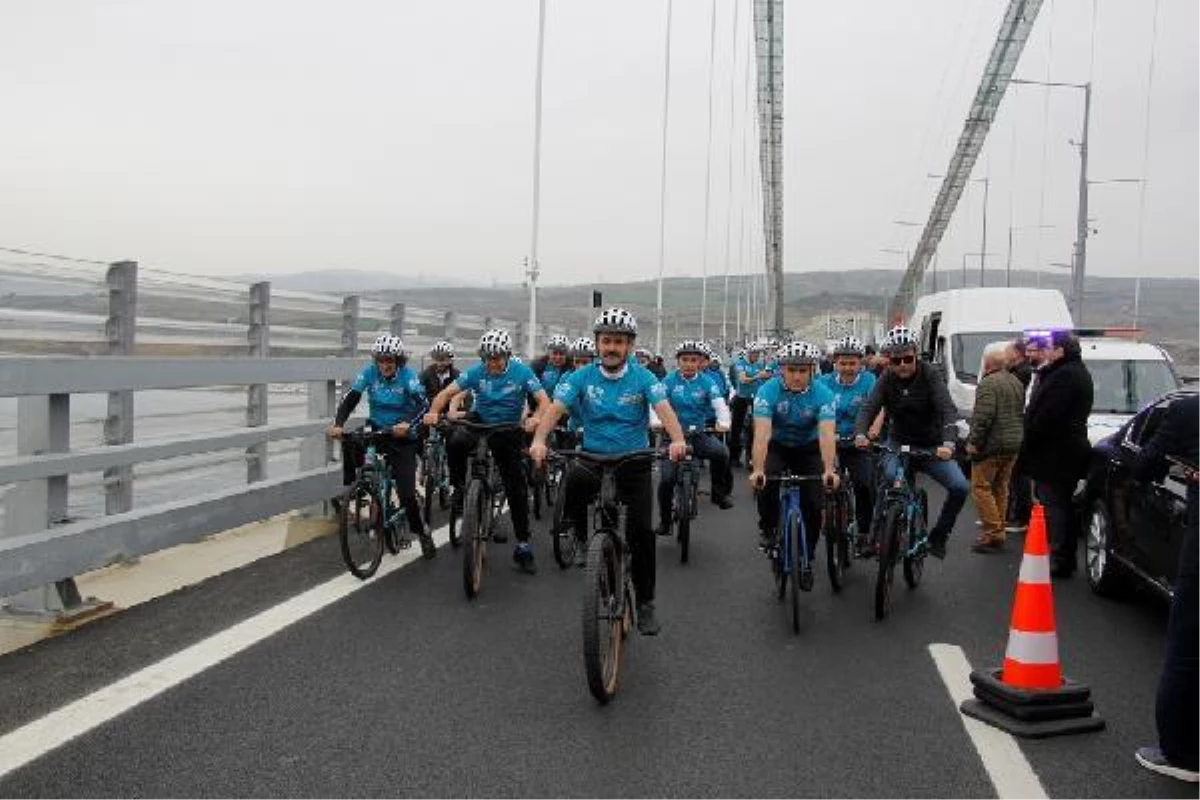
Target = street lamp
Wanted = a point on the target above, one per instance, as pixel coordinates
(964, 265)
(1081, 226)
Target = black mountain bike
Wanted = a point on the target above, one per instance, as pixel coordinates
(903, 532)
(369, 520)
(608, 599)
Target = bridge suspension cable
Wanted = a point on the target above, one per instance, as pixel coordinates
(712, 56)
(662, 185)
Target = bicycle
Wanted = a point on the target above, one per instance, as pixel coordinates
(791, 540)
(608, 597)
(904, 533)
(483, 505)
(368, 520)
(842, 535)
(685, 502)
(436, 478)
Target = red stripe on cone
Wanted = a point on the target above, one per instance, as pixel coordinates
(1032, 676)
(1035, 537)
(1033, 609)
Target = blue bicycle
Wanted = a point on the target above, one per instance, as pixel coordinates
(369, 520)
(790, 559)
(903, 514)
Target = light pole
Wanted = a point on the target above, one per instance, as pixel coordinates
(531, 339)
(1079, 271)
(987, 185)
(1008, 263)
(964, 264)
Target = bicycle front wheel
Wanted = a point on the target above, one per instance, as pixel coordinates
(888, 545)
(603, 617)
(360, 531)
(563, 536)
(835, 542)
(683, 520)
(430, 487)
(474, 538)
(794, 533)
(914, 557)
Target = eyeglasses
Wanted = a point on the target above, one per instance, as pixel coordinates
(910, 359)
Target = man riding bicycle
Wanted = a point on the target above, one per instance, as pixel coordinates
(500, 384)
(442, 372)
(851, 385)
(396, 400)
(794, 431)
(693, 396)
(613, 399)
(556, 365)
(920, 414)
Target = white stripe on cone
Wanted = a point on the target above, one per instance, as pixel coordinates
(1032, 648)
(1035, 569)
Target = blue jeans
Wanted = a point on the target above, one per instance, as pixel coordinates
(946, 473)
(1175, 709)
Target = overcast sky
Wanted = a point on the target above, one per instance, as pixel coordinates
(255, 137)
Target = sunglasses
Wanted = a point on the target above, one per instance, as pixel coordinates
(903, 360)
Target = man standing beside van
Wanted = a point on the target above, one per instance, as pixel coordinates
(996, 430)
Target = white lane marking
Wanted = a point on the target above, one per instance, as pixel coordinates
(1006, 765)
(52, 731)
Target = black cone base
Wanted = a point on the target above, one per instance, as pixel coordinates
(1031, 713)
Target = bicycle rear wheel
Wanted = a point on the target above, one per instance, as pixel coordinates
(683, 519)
(794, 533)
(889, 541)
(474, 538)
(603, 617)
(430, 487)
(360, 531)
(835, 542)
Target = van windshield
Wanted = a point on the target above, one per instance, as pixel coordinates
(967, 350)
(1125, 387)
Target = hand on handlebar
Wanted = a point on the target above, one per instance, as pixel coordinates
(431, 419)
(758, 479)
(831, 480)
(721, 428)
(537, 453)
(944, 453)
(530, 424)
(334, 431)
(677, 451)
(400, 430)
(862, 442)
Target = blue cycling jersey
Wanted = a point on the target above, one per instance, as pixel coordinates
(720, 379)
(401, 399)
(743, 368)
(794, 415)
(614, 411)
(848, 399)
(691, 399)
(551, 375)
(500, 398)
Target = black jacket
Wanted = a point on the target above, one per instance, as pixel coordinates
(920, 411)
(433, 383)
(1023, 372)
(1056, 447)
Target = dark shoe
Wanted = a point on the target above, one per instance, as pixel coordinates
(1153, 759)
(499, 534)
(937, 543)
(336, 504)
(806, 579)
(663, 529)
(428, 548)
(766, 540)
(1062, 571)
(523, 558)
(988, 544)
(581, 554)
(456, 502)
(646, 621)
(722, 501)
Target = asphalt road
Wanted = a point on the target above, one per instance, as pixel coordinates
(407, 689)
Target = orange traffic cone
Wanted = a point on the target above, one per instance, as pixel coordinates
(1029, 696)
(1031, 660)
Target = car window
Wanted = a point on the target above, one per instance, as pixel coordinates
(967, 349)
(1124, 387)
(1144, 425)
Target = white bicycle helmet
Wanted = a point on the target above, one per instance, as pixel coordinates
(715, 359)
(558, 343)
(615, 320)
(388, 345)
(899, 338)
(442, 348)
(849, 346)
(583, 346)
(690, 347)
(495, 342)
(798, 353)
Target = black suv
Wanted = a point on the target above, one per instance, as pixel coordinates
(1133, 529)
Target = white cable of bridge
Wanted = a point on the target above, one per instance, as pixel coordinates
(747, 195)
(662, 184)
(712, 47)
(733, 41)
(1141, 223)
(1037, 252)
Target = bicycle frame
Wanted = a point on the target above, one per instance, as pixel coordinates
(376, 475)
(903, 491)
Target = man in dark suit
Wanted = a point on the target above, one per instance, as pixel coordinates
(1176, 708)
(1055, 451)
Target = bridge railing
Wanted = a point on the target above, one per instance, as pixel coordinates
(158, 335)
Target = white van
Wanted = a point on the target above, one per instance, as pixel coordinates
(954, 327)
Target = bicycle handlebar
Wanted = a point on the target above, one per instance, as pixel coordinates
(614, 459)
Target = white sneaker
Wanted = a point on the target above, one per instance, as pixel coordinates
(1153, 759)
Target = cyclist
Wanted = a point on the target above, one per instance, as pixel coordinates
(693, 396)
(582, 353)
(921, 414)
(794, 422)
(555, 365)
(710, 364)
(851, 384)
(442, 372)
(500, 384)
(614, 400)
(749, 373)
(396, 400)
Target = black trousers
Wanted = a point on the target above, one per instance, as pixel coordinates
(803, 460)
(1062, 522)
(401, 456)
(739, 409)
(703, 446)
(506, 448)
(1178, 698)
(634, 489)
(1020, 496)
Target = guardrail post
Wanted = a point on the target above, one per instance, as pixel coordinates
(350, 317)
(519, 339)
(259, 338)
(450, 327)
(316, 451)
(118, 426)
(545, 334)
(396, 325)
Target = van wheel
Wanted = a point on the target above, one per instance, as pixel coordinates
(1104, 574)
